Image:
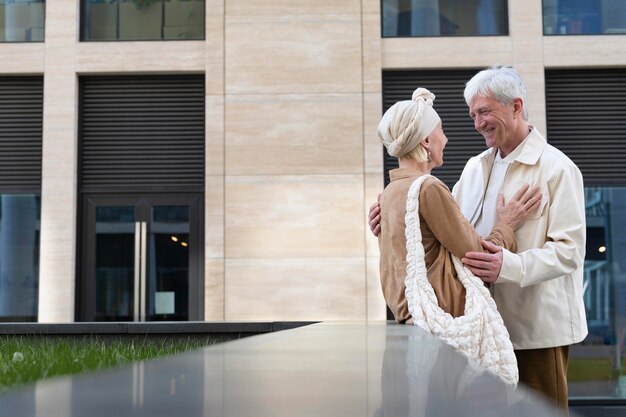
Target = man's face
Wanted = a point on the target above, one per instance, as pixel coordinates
(494, 120)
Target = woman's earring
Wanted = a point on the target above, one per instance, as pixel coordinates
(428, 153)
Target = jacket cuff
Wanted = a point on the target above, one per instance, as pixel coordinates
(511, 271)
(503, 235)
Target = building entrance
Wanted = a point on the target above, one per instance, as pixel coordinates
(140, 258)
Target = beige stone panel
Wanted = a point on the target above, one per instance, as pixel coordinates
(56, 273)
(376, 306)
(374, 185)
(214, 216)
(147, 57)
(372, 113)
(291, 7)
(214, 135)
(462, 52)
(214, 289)
(214, 7)
(527, 36)
(294, 134)
(584, 51)
(293, 54)
(370, 6)
(534, 78)
(525, 18)
(295, 289)
(214, 33)
(61, 39)
(294, 216)
(62, 20)
(22, 58)
(60, 104)
(372, 78)
(526, 33)
(58, 196)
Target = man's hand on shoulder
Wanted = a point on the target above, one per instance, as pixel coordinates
(485, 266)
(374, 217)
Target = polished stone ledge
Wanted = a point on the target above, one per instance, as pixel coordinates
(121, 328)
(325, 369)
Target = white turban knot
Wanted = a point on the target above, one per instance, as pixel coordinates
(407, 123)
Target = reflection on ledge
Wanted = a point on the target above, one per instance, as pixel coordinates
(324, 369)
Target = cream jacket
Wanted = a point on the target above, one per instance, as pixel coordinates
(539, 292)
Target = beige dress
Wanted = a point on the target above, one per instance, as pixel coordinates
(444, 230)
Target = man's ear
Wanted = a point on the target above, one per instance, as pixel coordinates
(518, 106)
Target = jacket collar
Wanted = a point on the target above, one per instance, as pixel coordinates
(471, 194)
(528, 152)
(400, 173)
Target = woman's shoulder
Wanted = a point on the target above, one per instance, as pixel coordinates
(435, 196)
(435, 184)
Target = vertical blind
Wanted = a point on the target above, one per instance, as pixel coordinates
(142, 133)
(21, 114)
(586, 118)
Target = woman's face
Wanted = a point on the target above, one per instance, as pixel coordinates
(437, 141)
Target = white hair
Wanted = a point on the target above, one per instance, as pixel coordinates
(500, 82)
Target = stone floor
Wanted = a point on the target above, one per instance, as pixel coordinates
(320, 370)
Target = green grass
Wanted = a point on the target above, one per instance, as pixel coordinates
(587, 369)
(26, 359)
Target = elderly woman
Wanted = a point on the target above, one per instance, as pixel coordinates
(411, 130)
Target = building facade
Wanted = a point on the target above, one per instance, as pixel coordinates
(216, 159)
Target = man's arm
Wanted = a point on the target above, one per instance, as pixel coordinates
(374, 218)
(485, 265)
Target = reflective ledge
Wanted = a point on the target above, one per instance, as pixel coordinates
(325, 369)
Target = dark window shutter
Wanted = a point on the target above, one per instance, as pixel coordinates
(463, 140)
(586, 119)
(142, 133)
(21, 114)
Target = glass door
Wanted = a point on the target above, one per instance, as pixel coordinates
(141, 259)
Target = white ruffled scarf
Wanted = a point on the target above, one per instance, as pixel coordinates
(479, 333)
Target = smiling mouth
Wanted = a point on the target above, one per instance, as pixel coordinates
(486, 131)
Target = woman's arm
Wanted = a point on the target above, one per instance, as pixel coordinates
(450, 227)
(453, 230)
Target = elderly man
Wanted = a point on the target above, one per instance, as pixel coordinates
(538, 290)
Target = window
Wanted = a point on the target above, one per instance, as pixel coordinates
(22, 20)
(444, 18)
(128, 20)
(597, 367)
(584, 17)
(19, 256)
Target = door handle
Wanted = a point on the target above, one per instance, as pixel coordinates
(137, 269)
(140, 272)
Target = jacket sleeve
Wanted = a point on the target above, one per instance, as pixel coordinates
(451, 228)
(564, 249)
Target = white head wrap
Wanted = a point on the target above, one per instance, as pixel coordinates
(407, 123)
